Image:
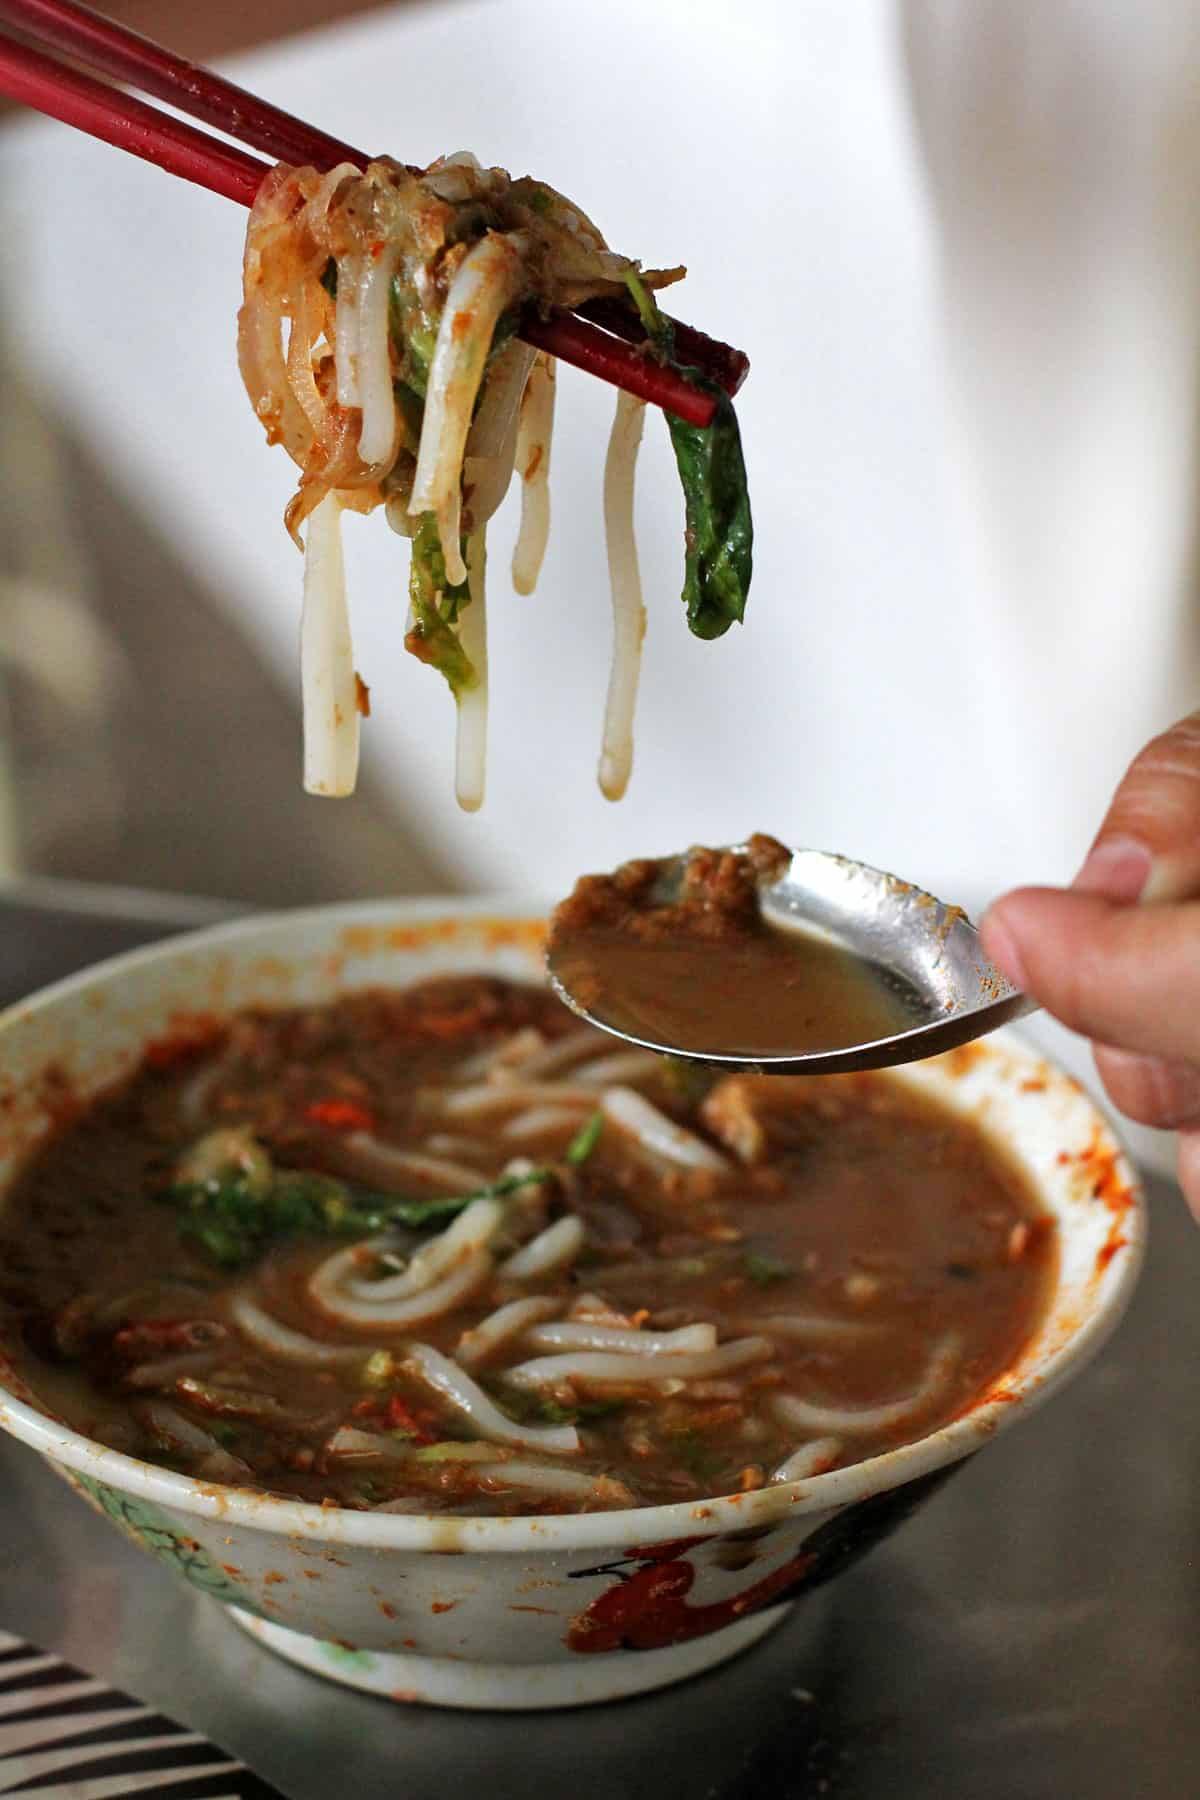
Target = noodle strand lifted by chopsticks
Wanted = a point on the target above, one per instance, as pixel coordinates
(470, 767)
(485, 284)
(533, 464)
(629, 614)
(327, 659)
(377, 438)
(376, 341)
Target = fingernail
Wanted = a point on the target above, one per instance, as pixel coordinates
(1002, 947)
(1117, 869)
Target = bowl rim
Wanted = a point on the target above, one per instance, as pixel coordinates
(677, 1520)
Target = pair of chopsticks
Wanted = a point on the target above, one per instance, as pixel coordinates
(604, 338)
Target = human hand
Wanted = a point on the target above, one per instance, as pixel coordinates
(1117, 955)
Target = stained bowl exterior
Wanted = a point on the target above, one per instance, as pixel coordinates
(522, 1612)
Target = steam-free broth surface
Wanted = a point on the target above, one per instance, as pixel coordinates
(441, 1249)
(679, 955)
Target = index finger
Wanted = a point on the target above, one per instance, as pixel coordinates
(1149, 844)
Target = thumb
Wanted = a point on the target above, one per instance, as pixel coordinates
(1126, 976)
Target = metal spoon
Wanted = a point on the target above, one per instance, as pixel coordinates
(927, 954)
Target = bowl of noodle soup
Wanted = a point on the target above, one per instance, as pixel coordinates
(504, 1598)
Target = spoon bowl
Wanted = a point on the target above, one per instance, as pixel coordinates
(925, 956)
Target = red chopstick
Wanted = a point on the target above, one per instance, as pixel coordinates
(695, 349)
(615, 354)
(119, 119)
(107, 48)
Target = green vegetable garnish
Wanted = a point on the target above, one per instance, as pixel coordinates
(420, 1212)
(433, 636)
(588, 1411)
(764, 1269)
(696, 1454)
(585, 1139)
(718, 531)
(235, 1221)
(540, 1409)
(414, 334)
(452, 1450)
(236, 1211)
(379, 1370)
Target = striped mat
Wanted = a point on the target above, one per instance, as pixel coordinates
(66, 1736)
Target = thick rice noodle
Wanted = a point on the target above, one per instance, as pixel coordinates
(500, 1327)
(269, 1334)
(540, 1120)
(534, 439)
(657, 1133)
(327, 677)
(625, 581)
(403, 1313)
(810, 1459)
(598, 1370)
(576, 1334)
(389, 1166)
(375, 341)
(470, 764)
(573, 1484)
(549, 1251)
(847, 1421)
(454, 1385)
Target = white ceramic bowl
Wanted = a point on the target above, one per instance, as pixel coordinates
(529, 1612)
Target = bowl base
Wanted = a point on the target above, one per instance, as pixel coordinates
(509, 1687)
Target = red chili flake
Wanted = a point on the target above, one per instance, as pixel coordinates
(362, 695)
(402, 1417)
(341, 1115)
(150, 1337)
(441, 1606)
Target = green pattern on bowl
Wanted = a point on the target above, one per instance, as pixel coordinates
(343, 1657)
(142, 1521)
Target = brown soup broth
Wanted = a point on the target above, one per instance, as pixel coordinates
(679, 954)
(852, 1249)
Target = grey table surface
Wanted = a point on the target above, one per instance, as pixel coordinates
(1034, 1631)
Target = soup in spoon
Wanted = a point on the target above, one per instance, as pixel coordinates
(676, 952)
